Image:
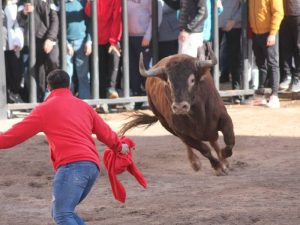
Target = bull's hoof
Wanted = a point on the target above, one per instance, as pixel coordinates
(221, 172)
(227, 152)
(196, 165)
(225, 164)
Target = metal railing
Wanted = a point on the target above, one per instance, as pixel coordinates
(6, 109)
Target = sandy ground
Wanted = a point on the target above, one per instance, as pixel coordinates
(263, 187)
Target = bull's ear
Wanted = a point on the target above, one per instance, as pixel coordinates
(201, 72)
(163, 76)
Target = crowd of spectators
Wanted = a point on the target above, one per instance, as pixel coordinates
(184, 26)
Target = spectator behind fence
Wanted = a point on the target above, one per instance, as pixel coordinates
(4, 30)
(208, 35)
(208, 31)
(168, 30)
(68, 124)
(265, 17)
(230, 26)
(109, 35)
(79, 47)
(191, 23)
(290, 46)
(140, 32)
(46, 33)
(13, 45)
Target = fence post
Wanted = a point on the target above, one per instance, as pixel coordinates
(125, 49)
(216, 45)
(95, 60)
(32, 58)
(154, 32)
(245, 45)
(63, 35)
(3, 103)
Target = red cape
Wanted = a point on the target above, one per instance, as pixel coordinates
(117, 163)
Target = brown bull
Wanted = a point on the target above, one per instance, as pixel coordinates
(183, 97)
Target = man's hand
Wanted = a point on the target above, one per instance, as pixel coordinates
(145, 42)
(28, 8)
(70, 50)
(271, 40)
(125, 149)
(114, 48)
(183, 36)
(88, 48)
(17, 48)
(229, 25)
(48, 46)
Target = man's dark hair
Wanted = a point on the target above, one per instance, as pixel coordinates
(58, 79)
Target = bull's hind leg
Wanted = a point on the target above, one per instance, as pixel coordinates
(226, 127)
(224, 161)
(193, 158)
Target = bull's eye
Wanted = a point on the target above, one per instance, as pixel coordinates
(191, 81)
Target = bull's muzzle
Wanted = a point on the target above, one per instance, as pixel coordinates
(181, 107)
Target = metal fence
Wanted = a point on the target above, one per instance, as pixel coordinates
(7, 109)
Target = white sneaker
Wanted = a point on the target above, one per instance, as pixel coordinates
(274, 102)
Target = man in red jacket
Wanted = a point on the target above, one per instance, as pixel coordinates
(109, 14)
(68, 124)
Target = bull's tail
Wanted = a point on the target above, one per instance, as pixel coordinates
(138, 119)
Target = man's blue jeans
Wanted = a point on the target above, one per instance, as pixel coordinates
(79, 64)
(71, 185)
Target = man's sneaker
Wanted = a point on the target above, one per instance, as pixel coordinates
(274, 102)
(263, 91)
(112, 93)
(285, 84)
(295, 87)
(103, 108)
(255, 101)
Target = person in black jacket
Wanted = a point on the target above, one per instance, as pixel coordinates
(191, 23)
(46, 38)
(290, 46)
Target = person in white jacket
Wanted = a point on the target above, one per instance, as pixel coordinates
(14, 44)
(140, 32)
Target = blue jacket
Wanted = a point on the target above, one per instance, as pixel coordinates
(209, 21)
(169, 27)
(78, 25)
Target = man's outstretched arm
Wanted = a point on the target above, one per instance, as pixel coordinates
(21, 131)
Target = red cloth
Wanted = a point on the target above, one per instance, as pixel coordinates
(109, 14)
(117, 163)
(68, 123)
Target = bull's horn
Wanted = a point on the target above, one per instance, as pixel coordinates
(208, 63)
(150, 72)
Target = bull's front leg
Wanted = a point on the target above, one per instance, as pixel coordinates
(222, 159)
(226, 127)
(193, 158)
(205, 151)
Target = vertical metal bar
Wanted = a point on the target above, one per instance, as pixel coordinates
(154, 32)
(125, 49)
(3, 103)
(216, 45)
(63, 35)
(245, 45)
(95, 60)
(32, 58)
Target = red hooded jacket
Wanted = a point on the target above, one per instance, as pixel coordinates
(109, 14)
(68, 123)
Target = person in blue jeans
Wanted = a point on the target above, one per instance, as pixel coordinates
(71, 185)
(68, 123)
(79, 47)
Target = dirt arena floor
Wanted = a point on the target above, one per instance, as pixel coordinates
(263, 187)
